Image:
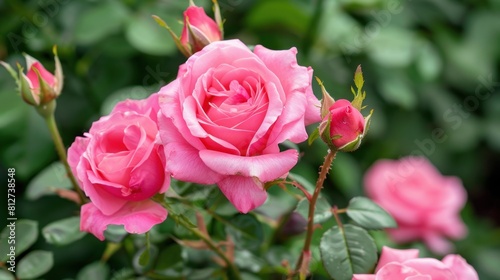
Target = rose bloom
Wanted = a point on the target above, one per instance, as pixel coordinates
(425, 204)
(405, 265)
(120, 165)
(224, 116)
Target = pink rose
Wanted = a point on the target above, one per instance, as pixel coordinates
(225, 114)
(120, 165)
(199, 29)
(405, 265)
(425, 204)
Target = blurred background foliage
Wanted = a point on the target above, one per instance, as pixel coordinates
(431, 70)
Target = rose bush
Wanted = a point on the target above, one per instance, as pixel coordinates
(425, 204)
(120, 165)
(397, 264)
(223, 117)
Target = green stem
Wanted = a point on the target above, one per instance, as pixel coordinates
(232, 267)
(61, 151)
(310, 220)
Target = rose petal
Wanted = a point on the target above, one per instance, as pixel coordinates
(264, 167)
(460, 267)
(363, 277)
(137, 217)
(75, 153)
(245, 193)
(396, 271)
(432, 267)
(395, 255)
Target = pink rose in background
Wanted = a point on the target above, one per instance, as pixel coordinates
(425, 204)
(405, 265)
(120, 165)
(199, 29)
(225, 114)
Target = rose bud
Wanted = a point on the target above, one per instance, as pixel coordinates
(343, 126)
(199, 29)
(38, 86)
(346, 126)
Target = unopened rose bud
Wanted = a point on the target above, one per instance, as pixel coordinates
(199, 29)
(38, 86)
(343, 126)
(346, 126)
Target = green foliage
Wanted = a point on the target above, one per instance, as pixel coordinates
(421, 60)
(63, 232)
(347, 250)
(94, 271)
(35, 264)
(29, 230)
(322, 210)
(48, 181)
(368, 214)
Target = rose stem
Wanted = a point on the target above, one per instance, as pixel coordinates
(208, 241)
(61, 151)
(302, 263)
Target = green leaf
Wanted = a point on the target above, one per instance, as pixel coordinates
(94, 271)
(63, 232)
(35, 264)
(358, 78)
(100, 21)
(145, 256)
(368, 214)
(169, 257)
(5, 275)
(24, 232)
(347, 250)
(149, 260)
(321, 213)
(115, 233)
(314, 135)
(246, 232)
(47, 181)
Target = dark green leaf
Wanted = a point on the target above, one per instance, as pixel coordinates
(94, 271)
(347, 250)
(24, 232)
(35, 264)
(321, 213)
(150, 259)
(368, 214)
(169, 257)
(246, 232)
